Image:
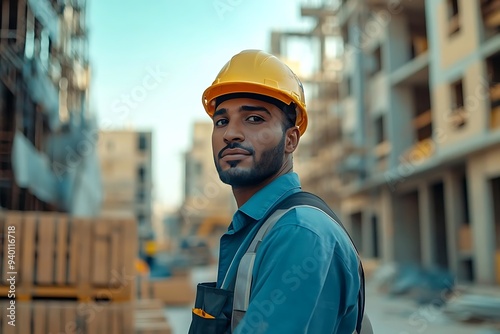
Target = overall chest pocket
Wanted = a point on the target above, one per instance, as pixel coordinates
(212, 310)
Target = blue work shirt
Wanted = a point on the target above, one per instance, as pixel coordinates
(305, 277)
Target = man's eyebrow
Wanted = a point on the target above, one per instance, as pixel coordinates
(254, 108)
(221, 111)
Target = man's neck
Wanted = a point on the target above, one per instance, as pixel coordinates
(243, 194)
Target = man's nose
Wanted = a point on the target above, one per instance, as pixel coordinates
(233, 133)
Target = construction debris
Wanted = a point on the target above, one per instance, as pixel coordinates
(473, 307)
(426, 286)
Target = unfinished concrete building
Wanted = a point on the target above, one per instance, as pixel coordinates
(126, 165)
(47, 136)
(321, 148)
(419, 103)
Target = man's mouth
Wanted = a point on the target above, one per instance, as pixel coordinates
(234, 154)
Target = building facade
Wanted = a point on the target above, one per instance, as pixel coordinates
(47, 135)
(126, 166)
(419, 142)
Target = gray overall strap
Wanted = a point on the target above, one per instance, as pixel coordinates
(244, 275)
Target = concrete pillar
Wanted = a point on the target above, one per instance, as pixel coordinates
(397, 52)
(367, 233)
(426, 231)
(400, 130)
(482, 224)
(387, 226)
(454, 217)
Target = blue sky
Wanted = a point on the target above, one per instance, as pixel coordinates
(151, 61)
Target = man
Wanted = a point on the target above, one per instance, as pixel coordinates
(305, 273)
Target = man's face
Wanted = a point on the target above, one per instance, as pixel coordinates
(248, 141)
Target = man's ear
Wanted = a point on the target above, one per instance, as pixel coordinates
(292, 139)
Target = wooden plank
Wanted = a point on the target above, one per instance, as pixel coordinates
(153, 327)
(55, 291)
(13, 221)
(101, 253)
(112, 322)
(3, 305)
(145, 286)
(127, 316)
(62, 249)
(84, 258)
(73, 226)
(45, 249)
(24, 316)
(148, 304)
(104, 324)
(129, 255)
(54, 317)
(6, 328)
(92, 320)
(173, 291)
(117, 250)
(28, 253)
(39, 318)
(150, 315)
(70, 325)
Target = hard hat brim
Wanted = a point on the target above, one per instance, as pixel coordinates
(220, 89)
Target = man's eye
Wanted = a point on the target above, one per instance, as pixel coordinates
(255, 119)
(221, 122)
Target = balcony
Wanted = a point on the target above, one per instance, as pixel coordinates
(419, 152)
(422, 124)
(414, 72)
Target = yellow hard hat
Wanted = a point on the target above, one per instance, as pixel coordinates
(258, 72)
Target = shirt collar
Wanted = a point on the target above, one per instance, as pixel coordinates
(264, 199)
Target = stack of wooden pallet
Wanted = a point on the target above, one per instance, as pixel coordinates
(172, 291)
(58, 317)
(59, 256)
(150, 317)
(70, 275)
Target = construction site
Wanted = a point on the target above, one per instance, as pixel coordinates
(403, 144)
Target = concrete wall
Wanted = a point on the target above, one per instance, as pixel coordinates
(475, 102)
(120, 159)
(464, 42)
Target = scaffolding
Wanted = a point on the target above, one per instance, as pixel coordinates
(44, 82)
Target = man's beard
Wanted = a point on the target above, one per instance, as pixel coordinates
(268, 165)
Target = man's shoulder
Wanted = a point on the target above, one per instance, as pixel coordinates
(313, 219)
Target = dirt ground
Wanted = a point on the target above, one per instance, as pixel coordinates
(389, 315)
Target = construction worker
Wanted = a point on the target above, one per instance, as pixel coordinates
(304, 277)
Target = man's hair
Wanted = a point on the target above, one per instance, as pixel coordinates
(289, 110)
